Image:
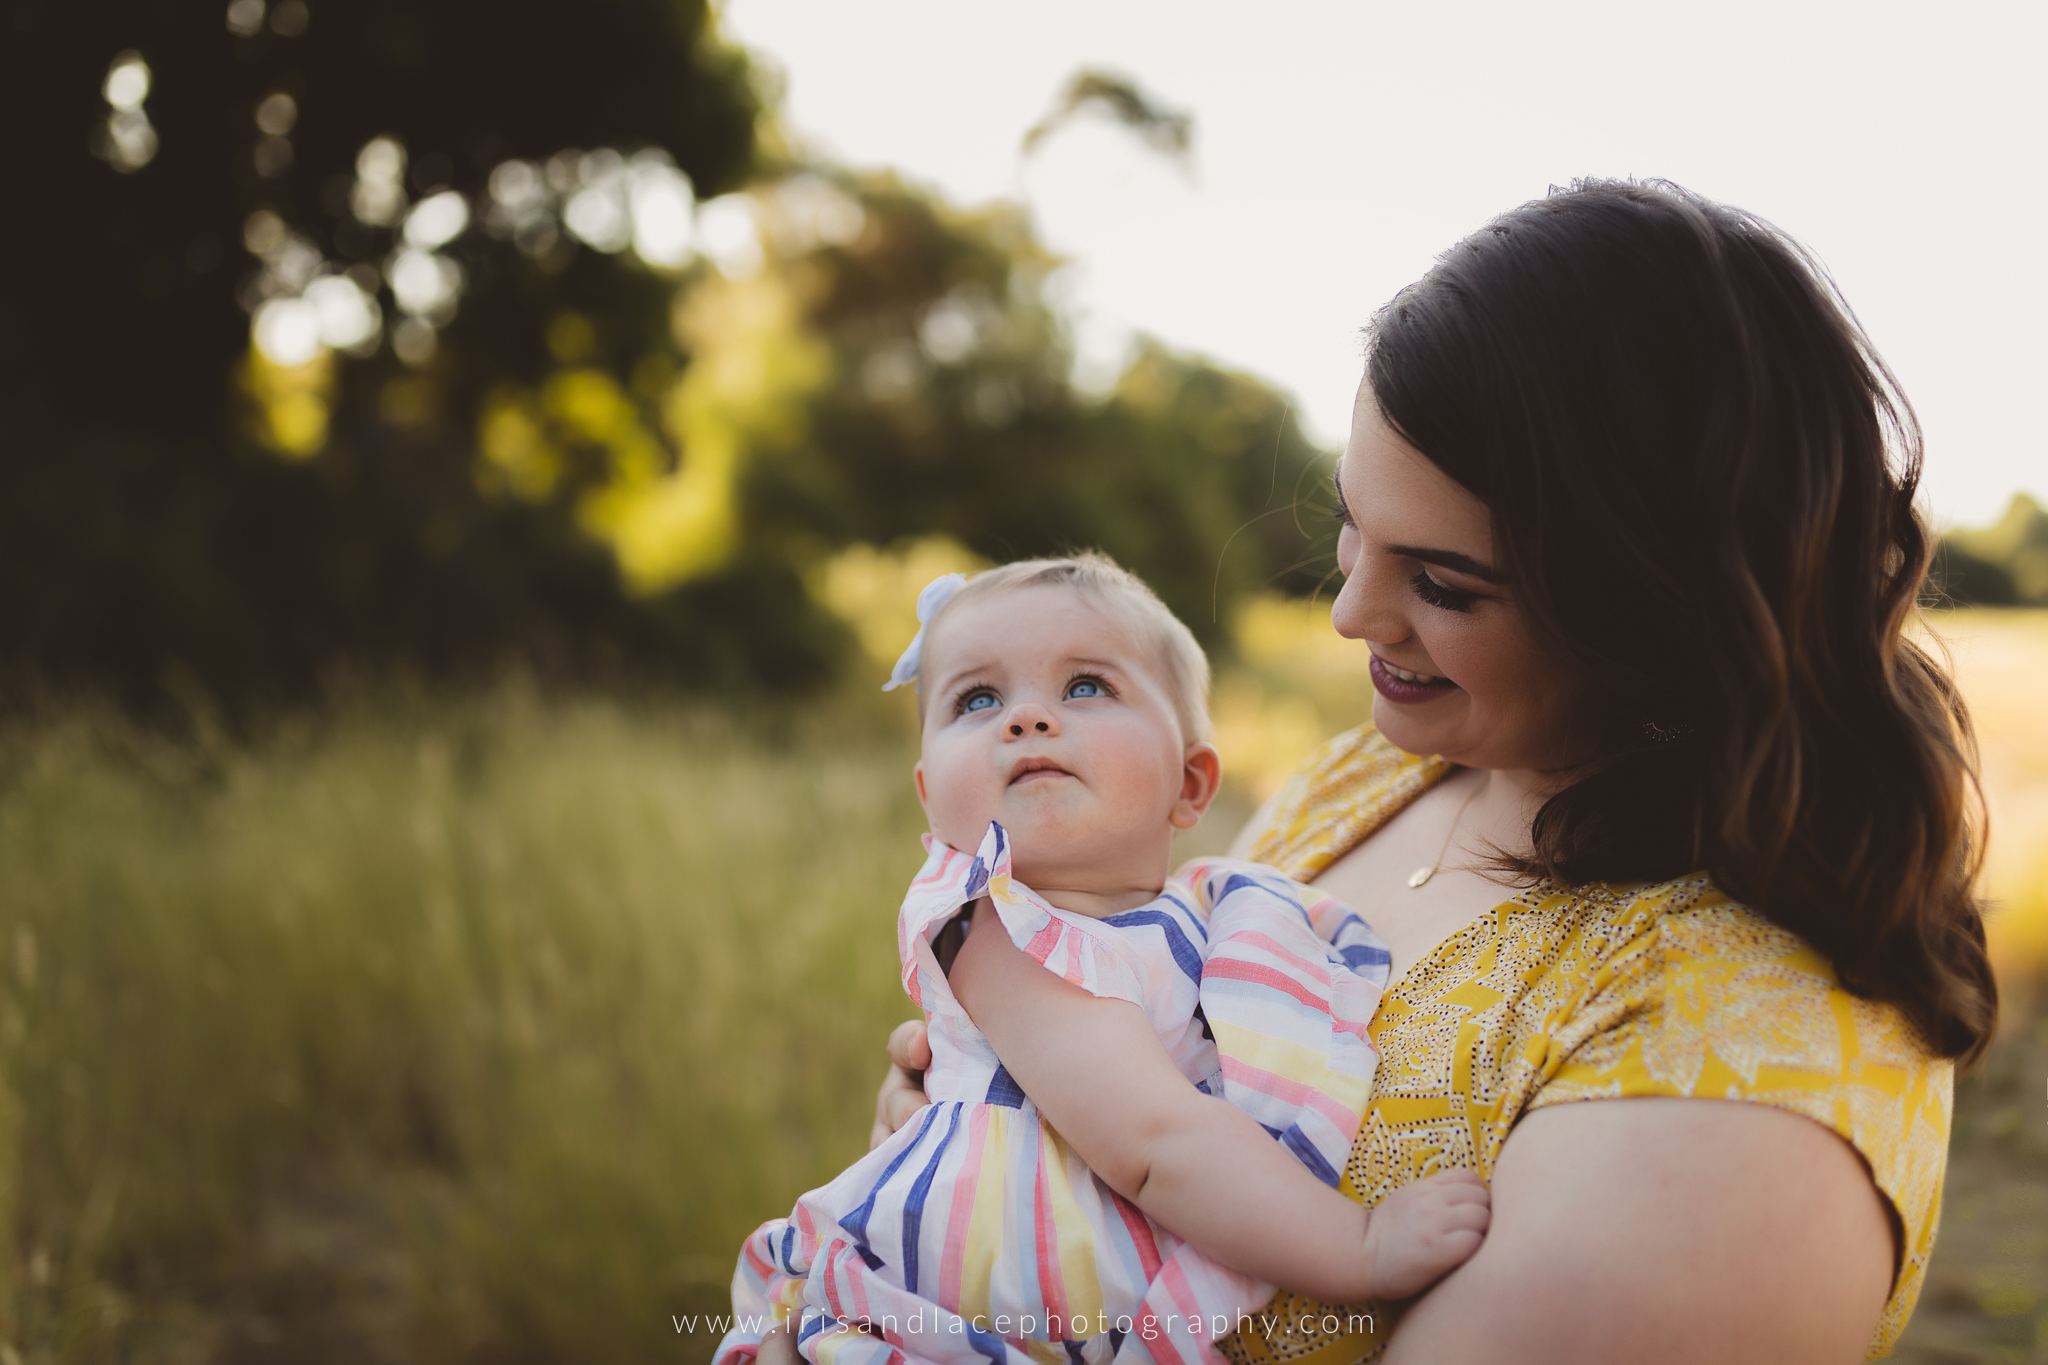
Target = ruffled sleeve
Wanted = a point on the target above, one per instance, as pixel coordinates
(1073, 947)
(1288, 1013)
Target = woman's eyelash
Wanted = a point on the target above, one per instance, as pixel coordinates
(1441, 594)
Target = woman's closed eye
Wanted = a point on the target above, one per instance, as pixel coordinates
(1441, 595)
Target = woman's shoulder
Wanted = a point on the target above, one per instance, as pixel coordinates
(1736, 1003)
(1690, 993)
(1346, 789)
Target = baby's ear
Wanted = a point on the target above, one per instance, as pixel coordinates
(1200, 775)
(917, 776)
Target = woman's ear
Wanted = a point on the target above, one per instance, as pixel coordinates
(1200, 775)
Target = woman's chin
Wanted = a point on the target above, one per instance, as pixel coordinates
(1408, 730)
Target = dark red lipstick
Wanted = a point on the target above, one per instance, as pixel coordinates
(1407, 693)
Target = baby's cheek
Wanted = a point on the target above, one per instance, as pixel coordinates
(1144, 777)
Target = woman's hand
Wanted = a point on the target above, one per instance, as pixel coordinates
(902, 1092)
(778, 1348)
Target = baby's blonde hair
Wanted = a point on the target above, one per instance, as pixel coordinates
(1183, 667)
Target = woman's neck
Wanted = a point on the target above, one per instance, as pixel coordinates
(1504, 808)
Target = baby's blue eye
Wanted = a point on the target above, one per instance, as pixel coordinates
(977, 701)
(1086, 687)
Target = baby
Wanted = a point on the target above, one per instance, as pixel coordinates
(1174, 1030)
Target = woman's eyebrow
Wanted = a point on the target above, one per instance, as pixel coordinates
(1450, 559)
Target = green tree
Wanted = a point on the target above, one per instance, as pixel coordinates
(2005, 564)
(556, 358)
(169, 499)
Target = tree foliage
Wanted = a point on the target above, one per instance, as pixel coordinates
(542, 435)
(2003, 565)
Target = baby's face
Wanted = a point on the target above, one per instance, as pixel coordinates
(1042, 711)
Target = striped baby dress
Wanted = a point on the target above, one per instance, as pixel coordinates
(975, 1234)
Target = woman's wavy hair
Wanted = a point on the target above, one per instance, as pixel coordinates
(1701, 477)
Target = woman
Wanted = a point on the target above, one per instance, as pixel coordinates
(1628, 530)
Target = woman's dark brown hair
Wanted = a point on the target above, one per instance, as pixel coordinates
(1701, 477)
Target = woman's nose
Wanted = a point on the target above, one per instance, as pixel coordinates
(1029, 718)
(1369, 607)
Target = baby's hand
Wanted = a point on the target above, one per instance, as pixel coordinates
(1421, 1231)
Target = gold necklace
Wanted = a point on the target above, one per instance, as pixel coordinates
(1423, 874)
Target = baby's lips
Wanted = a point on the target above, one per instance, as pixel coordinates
(1024, 767)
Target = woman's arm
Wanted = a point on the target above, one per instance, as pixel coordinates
(1198, 1166)
(1673, 1230)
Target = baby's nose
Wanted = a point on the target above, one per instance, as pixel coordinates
(1030, 718)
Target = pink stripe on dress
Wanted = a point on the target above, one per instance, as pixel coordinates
(961, 1217)
(1052, 1286)
(1233, 970)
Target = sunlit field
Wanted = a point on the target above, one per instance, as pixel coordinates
(482, 1029)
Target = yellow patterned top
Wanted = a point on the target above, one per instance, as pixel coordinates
(1602, 992)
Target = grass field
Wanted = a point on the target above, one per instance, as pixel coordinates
(481, 1030)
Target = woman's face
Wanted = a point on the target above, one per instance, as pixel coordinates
(1456, 668)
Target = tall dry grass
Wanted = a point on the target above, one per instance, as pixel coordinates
(440, 1032)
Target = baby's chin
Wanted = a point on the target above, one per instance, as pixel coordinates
(1108, 863)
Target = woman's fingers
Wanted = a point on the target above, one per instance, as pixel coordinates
(901, 1095)
(778, 1348)
(898, 1100)
(909, 1046)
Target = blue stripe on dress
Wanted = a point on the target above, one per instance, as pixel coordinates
(913, 1205)
(1365, 955)
(988, 1343)
(1238, 881)
(1004, 1090)
(856, 1224)
(1184, 954)
(1201, 927)
(1296, 1141)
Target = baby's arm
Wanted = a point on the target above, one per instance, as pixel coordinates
(1190, 1161)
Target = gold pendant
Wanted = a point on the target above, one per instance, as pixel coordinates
(1420, 875)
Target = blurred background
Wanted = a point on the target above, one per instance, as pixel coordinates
(463, 476)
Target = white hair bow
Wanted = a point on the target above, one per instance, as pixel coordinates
(936, 594)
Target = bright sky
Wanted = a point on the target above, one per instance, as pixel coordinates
(1340, 146)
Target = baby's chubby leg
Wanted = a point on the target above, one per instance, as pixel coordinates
(1421, 1232)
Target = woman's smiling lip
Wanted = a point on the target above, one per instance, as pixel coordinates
(1412, 688)
(1031, 767)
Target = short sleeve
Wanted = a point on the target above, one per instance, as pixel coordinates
(1718, 1003)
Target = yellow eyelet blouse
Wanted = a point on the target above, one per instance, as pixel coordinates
(1602, 992)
